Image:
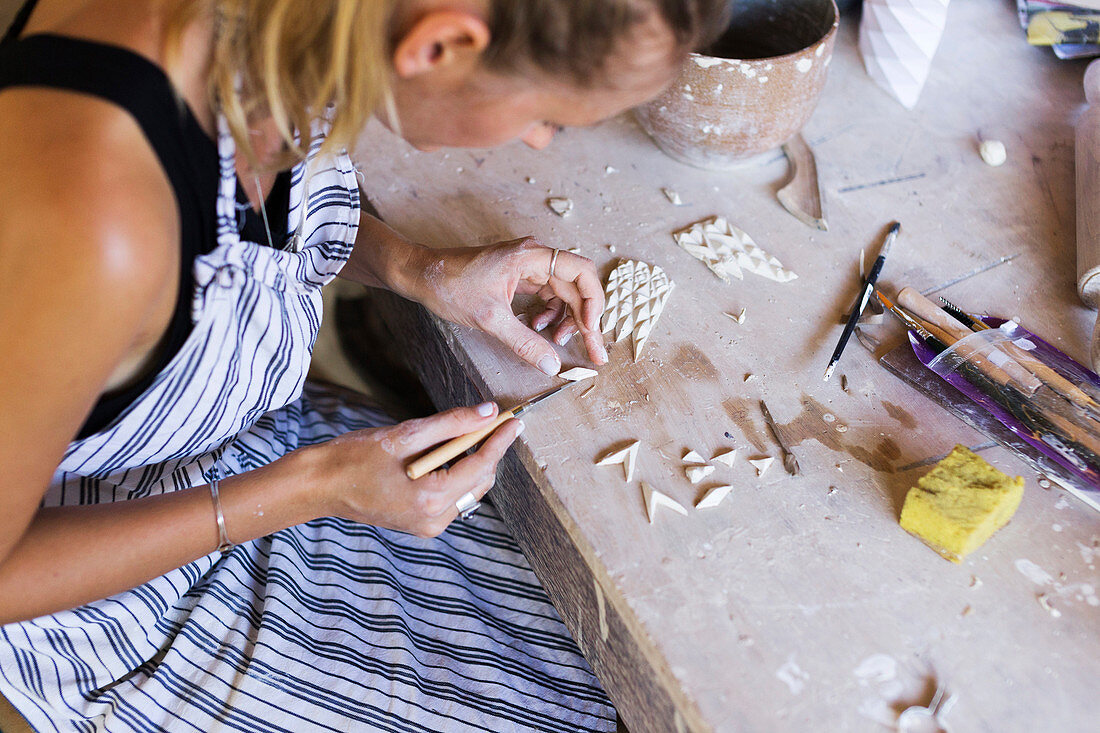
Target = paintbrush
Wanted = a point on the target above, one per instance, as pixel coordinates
(911, 323)
(861, 301)
(789, 461)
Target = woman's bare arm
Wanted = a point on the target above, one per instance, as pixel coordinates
(475, 286)
(88, 245)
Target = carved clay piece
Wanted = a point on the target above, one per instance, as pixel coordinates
(726, 457)
(727, 250)
(636, 296)
(654, 499)
(626, 456)
(897, 39)
(761, 464)
(693, 457)
(714, 497)
(577, 374)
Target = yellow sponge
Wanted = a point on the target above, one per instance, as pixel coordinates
(957, 505)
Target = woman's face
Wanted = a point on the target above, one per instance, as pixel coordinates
(483, 109)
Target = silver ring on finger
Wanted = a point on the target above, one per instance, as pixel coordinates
(467, 504)
(553, 263)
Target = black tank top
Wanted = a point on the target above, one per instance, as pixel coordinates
(187, 155)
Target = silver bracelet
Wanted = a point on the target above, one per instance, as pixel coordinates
(224, 545)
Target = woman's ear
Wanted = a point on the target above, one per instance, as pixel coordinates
(439, 39)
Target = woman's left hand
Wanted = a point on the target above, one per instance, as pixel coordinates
(475, 286)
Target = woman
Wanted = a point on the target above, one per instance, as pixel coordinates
(159, 295)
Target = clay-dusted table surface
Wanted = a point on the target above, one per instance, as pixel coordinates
(798, 604)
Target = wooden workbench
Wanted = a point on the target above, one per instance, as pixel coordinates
(798, 604)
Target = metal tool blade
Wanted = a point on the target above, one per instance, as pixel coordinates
(789, 461)
(802, 194)
(525, 406)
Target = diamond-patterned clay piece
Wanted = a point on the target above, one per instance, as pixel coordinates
(636, 296)
(727, 250)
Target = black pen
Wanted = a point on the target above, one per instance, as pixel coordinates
(861, 303)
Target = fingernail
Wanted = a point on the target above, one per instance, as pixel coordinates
(539, 324)
(485, 409)
(601, 352)
(522, 426)
(564, 339)
(550, 364)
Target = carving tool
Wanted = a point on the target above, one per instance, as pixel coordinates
(789, 461)
(861, 302)
(938, 341)
(802, 194)
(457, 446)
(1088, 204)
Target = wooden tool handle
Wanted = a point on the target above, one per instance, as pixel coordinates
(1088, 184)
(926, 310)
(453, 448)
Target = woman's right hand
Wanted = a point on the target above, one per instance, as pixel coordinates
(363, 472)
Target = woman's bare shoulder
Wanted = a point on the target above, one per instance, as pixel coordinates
(89, 253)
(80, 181)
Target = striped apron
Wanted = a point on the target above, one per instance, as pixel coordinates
(326, 626)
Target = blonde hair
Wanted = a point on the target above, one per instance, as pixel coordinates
(296, 61)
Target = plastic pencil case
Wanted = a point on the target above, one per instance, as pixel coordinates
(1043, 396)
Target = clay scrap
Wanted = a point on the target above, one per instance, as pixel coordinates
(738, 318)
(993, 152)
(560, 206)
(672, 196)
(627, 456)
(655, 499)
(696, 474)
(727, 250)
(636, 296)
(714, 497)
(577, 374)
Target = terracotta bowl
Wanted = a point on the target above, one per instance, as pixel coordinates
(752, 90)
